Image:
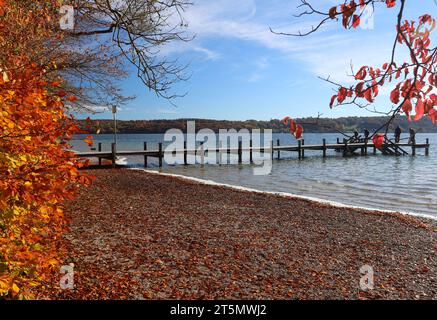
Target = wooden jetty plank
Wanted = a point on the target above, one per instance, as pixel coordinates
(300, 149)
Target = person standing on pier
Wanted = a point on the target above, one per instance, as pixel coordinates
(366, 135)
(398, 133)
(412, 139)
(356, 137)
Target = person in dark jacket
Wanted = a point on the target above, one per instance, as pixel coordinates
(366, 134)
(398, 133)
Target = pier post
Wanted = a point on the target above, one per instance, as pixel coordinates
(251, 151)
(100, 150)
(338, 140)
(202, 154)
(324, 148)
(240, 151)
(185, 153)
(145, 157)
(114, 153)
(160, 154)
(220, 152)
(345, 148)
(279, 152)
(427, 147)
(303, 150)
(365, 147)
(299, 149)
(413, 148)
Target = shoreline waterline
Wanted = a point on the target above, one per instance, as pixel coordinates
(285, 194)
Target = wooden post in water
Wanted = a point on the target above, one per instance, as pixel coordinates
(250, 151)
(324, 148)
(299, 149)
(279, 152)
(100, 150)
(413, 148)
(427, 147)
(202, 154)
(114, 153)
(145, 157)
(185, 153)
(160, 154)
(303, 150)
(345, 148)
(240, 151)
(365, 147)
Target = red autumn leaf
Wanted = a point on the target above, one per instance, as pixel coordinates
(359, 89)
(420, 110)
(368, 95)
(333, 98)
(432, 114)
(361, 74)
(378, 140)
(299, 131)
(433, 98)
(293, 127)
(72, 98)
(407, 108)
(356, 21)
(390, 3)
(395, 95)
(342, 94)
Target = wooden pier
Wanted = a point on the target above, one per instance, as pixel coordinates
(346, 148)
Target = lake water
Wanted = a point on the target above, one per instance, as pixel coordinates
(406, 184)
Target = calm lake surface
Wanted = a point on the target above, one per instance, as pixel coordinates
(405, 184)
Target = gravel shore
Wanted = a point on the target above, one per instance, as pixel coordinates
(136, 235)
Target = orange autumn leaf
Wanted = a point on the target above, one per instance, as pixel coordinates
(89, 141)
(34, 135)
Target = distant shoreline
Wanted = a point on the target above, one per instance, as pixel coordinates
(311, 125)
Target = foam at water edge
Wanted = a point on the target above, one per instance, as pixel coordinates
(283, 194)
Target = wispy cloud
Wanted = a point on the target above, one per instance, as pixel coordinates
(324, 53)
(259, 68)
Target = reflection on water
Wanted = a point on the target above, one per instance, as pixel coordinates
(392, 183)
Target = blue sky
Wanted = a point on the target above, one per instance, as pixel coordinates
(240, 70)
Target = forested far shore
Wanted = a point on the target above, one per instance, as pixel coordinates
(311, 125)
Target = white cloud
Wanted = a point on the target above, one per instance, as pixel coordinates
(324, 53)
(259, 67)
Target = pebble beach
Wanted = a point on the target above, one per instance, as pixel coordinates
(137, 235)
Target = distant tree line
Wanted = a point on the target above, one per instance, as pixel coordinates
(313, 125)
